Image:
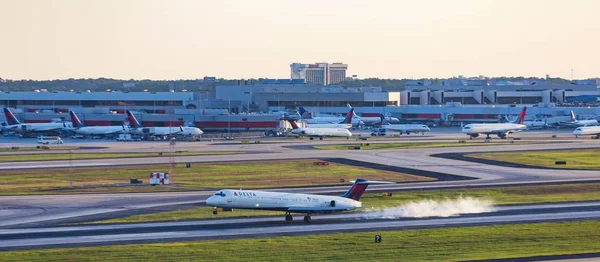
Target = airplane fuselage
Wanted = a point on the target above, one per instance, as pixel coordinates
(164, 131)
(328, 120)
(35, 127)
(337, 126)
(537, 123)
(578, 123)
(99, 130)
(501, 129)
(407, 128)
(377, 120)
(322, 132)
(289, 202)
(587, 131)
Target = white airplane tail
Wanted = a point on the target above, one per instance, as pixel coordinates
(359, 187)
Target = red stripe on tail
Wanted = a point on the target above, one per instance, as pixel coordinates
(522, 116)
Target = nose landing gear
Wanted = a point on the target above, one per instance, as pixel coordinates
(289, 218)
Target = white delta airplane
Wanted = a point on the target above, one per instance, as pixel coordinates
(229, 199)
(403, 128)
(137, 129)
(346, 123)
(577, 123)
(81, 129)
(587, 131)
(323, 120)
(319, 132)
(13, 124)
(500, 129)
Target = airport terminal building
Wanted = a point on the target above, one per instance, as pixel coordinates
(464, 101)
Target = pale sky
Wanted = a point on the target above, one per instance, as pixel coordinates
(180, 39)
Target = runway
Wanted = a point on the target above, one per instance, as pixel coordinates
(85, 235)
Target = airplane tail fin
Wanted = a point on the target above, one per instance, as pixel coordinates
(10, 117)
(75, 120)
(304, 114)
(293, 123)
(132, 120)
(359, 187)
(573, 116)
(383, 120)
(348, 119)
(522, 116)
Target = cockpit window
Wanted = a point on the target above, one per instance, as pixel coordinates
(467, 127)
(220, 194)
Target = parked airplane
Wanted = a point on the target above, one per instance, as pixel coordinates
(313, 132)
(500, 129)
(228, 199)
(138, 129)
(587, 131)
(576, 123)
(13, 124)
(537, 123)
(403, 128)
(81, 129)
(309, 119)
(346, 123)
(373, 120)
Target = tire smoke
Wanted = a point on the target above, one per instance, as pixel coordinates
(433, 208)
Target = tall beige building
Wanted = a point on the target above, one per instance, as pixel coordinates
(319, 73)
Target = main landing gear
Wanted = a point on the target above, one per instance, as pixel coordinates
(307, 218)
(290, 218)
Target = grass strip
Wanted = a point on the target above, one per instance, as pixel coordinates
(79, 156)
(445, 244)
(249, 174)
(576, 159)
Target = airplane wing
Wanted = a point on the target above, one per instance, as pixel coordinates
(45, 129)
(316, 209)
(504, 130)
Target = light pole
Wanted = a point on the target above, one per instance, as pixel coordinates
(229, 117)
(249, 98)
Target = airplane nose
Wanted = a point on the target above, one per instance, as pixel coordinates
(211, 201)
